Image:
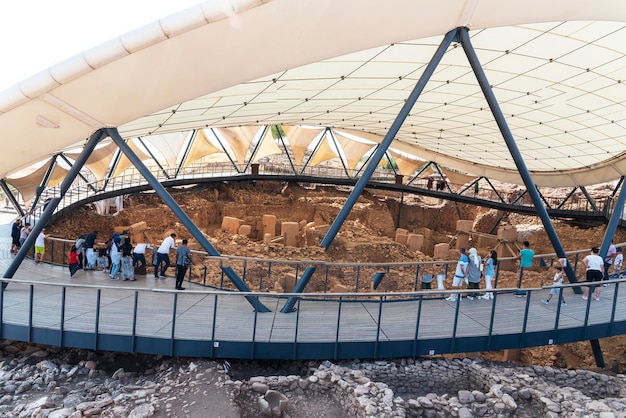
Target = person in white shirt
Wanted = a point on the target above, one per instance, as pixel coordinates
(139, 254)
(595, 270)
(163, 255)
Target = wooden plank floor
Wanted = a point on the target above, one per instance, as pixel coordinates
(161, 312)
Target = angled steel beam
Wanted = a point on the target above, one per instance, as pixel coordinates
(494, 189)
(11, 197)
(282, 141)
(47, 213)
(419, 173)
(590, 199)
(256, 149)
(116, 160)
(186, 152)
(618, 210)
(388, 139)
(470, 185)
(570, 194)
(515, 152)
(44, 181)
(181, 215)
(343, 163)
(85, 179)
(319, 144)
(219, 141)
(140, 139)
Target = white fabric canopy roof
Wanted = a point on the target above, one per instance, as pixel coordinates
(557, 68)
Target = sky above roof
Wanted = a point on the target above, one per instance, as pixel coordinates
(40, 33)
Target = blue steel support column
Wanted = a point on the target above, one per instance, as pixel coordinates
(386, 142)
(181, 215)
(47, 213)
(515, 153)
(618, 208)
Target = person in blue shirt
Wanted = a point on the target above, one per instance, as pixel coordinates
(525, 258)
(490, 267)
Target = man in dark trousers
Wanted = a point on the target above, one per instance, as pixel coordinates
(183, 260)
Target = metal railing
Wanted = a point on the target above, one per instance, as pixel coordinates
(131, 178)
(342, 325)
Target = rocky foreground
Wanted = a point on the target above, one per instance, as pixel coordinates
(47, 382)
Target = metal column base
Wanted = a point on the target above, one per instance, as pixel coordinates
(597, 353)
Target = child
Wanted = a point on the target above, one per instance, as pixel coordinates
(74, 264)
(617, 263)
(558, 279)
(103, 261)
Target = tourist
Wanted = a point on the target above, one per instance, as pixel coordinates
(73, 263)
(128, 270)
(595, 271)
(80, 249)
(460, 274)
(183, 261)
(115, 253)
(90, 254)
(139, 254)
(608, 261)
(40, 246)
(474, 268)
(24, 233)
(557, 281)
(15, 236)
(618, 261)
(163, 255)
(490, 266)
(526, 261)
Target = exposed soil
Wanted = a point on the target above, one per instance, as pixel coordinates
(367, 236)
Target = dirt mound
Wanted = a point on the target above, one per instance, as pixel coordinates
(367, 236)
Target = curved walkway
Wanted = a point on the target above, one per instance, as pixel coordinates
(42, 304)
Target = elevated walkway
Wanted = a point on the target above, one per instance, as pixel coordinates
(43, 305)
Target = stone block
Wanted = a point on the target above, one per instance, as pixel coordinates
(288, 282)
(138, 227)
(289, 231)
(441, 251)
(462, 240)
(269, 225)
(401, 235)
(427, 233)
(487, 241)
(267, 238)
(302, 223)
(464, 225)
(231, 225)
(415, 242)
(245, 230)
(507, 233)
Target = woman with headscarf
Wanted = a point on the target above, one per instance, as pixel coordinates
(473, 272)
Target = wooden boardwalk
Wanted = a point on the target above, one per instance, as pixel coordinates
(43, 297)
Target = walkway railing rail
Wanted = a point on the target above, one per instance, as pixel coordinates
(260, 274)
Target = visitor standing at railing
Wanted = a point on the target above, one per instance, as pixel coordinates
(24, 233)
(525, 258)
(460, 274)
(474, 268)
(40, 246)
(115, 252)
(595, 270)
(618, 261)
(15, 236)
(490, 267)
(90, 254)
(80, 249)
(163, 255)
(183, 261)
(608, 261)
(139, 254)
